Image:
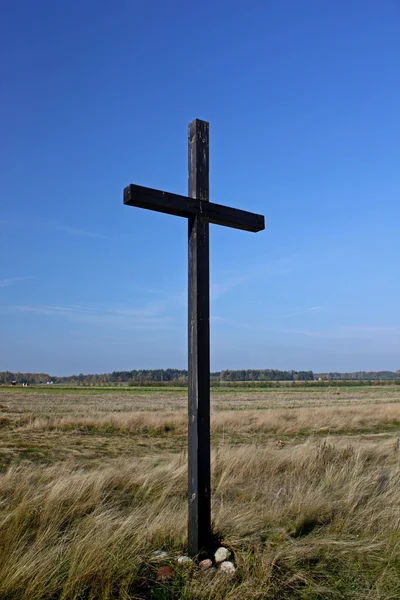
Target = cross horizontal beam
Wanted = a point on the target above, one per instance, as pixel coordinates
(183, 206)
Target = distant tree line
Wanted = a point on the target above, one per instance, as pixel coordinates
(32, 378)
(148, 375)
(265, 375)
(156, 375)
(179, 377)
(359, 375)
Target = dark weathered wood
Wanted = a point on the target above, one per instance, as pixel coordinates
(199, 212)
(199, 497)
(182, 206)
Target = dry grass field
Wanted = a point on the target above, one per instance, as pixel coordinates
(306, 490)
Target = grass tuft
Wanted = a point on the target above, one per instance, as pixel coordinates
(306, 502)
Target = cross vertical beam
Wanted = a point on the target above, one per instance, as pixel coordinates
(199, 470)
(199, 212)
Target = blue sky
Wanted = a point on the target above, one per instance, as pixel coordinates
(303, 102)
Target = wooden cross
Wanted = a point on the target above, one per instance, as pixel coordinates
(199, 212)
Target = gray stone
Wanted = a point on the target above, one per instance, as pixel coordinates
(159, 554)
(184, 559)
(227, 567)
(222, 554)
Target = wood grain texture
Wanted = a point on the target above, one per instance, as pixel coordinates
(199, 213)
(199, 470)
(183, 206)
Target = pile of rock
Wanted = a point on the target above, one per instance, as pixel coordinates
(221, 560)
(221, 563)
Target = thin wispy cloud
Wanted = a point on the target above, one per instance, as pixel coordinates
(373, 329)
(218, 289)
(265, 325)
(301, 312)
(307, 332)
(235, 323)
(147, 317)
(271, 268)
(347, 332)
(38, 225)
(15, 280)
(228, 280)
(150, 290)
(368, 333)
(81, 232)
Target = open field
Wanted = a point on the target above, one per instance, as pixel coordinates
(306, 486)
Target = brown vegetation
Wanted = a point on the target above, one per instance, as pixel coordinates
(307, 498)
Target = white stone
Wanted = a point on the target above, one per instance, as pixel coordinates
(159, 554)
(184, 559)
(227, 567)
(222, 554)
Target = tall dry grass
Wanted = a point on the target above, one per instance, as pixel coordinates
(314, 520)
(81, 402)
(314, 517)
(327, 419)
